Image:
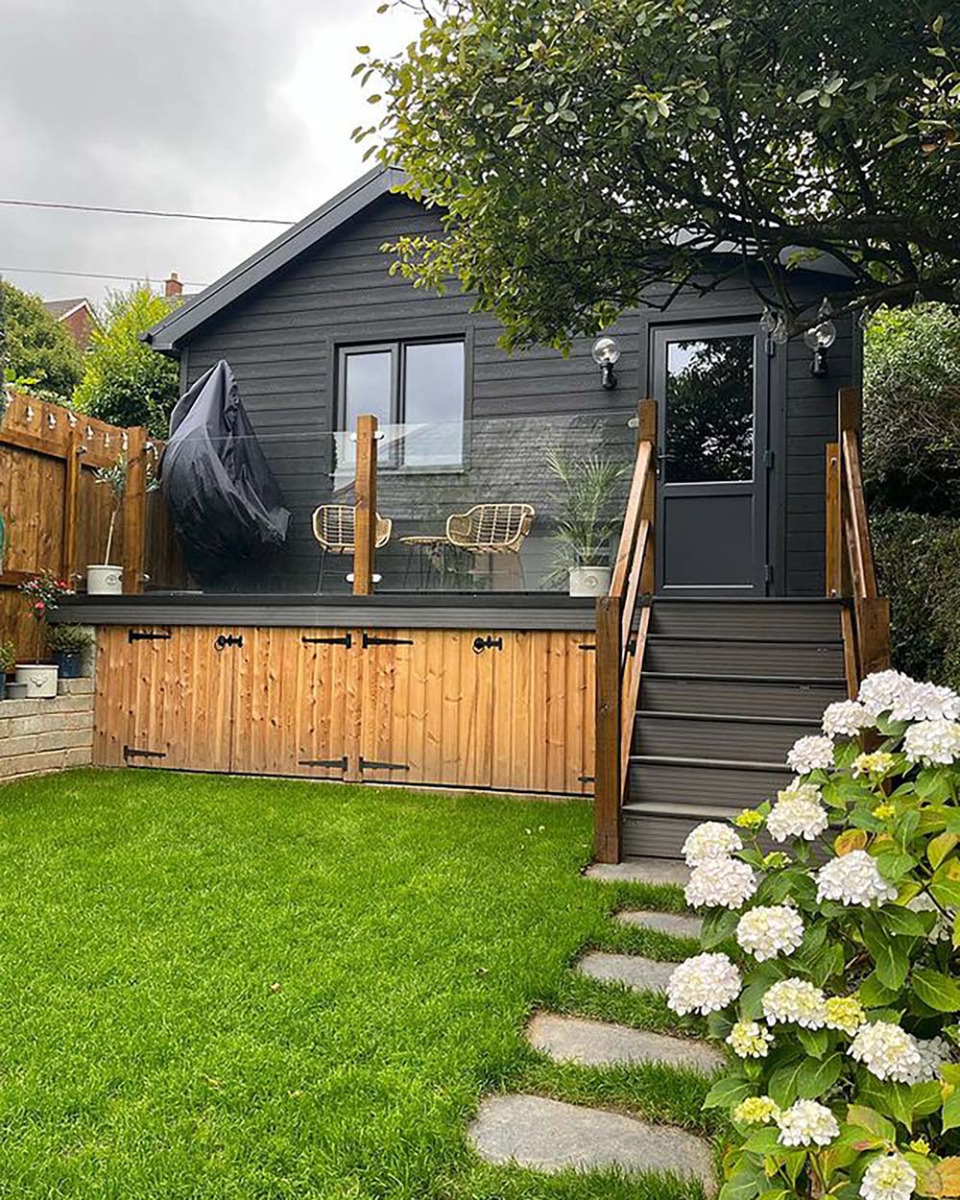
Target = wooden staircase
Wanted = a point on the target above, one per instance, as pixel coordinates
(727, 688)
(699, 700)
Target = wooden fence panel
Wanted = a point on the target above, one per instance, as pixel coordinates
(57, 516)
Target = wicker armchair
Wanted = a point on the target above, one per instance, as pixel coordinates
(492, 529)
(334, 528)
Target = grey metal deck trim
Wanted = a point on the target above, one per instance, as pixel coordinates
(507, 612)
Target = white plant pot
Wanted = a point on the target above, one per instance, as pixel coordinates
(16, 691)
(104, 580)
(589, 581)
(40, 679)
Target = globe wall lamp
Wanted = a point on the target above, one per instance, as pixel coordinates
(819, 338)
(606, 354)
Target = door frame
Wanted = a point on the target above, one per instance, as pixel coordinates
(768, 454)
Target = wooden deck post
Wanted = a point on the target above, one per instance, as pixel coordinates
(71, 494)
(647, 432)
(135, 511)
(834, 522)
(607, 785)
(365, 519)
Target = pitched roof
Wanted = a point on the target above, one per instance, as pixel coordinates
(61, 309)
(167, 334)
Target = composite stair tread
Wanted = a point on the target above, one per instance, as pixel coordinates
(700, 812)
(724, 764)
(792, 680)
(656, 714)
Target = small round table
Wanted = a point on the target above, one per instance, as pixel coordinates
(431, 550)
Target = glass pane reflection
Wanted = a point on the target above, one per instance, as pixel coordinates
(709, 410)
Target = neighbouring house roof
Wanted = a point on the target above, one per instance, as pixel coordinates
(61, 309)
(167, 334)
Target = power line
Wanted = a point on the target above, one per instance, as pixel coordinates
(92, 275)
(145, 212)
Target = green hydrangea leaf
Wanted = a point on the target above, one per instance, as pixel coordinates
(937, 990)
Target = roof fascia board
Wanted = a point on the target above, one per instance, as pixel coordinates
(166, 334)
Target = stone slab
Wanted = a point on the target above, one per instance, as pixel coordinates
(675, 924)
(599, 1044)
(550, 1136)
(76, 687)
(640, 974)
(642, 870)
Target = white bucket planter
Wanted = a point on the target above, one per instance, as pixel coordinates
(589, 581)
(40, 680)
(104, 580)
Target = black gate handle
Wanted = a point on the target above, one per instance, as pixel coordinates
(488, 643)
(228, 639)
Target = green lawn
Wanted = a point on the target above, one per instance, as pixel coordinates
(250, 988)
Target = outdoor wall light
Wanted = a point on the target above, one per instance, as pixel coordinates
(820, 338)
(606, 354)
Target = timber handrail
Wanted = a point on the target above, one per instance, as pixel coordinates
(850, 569)
(620, 645)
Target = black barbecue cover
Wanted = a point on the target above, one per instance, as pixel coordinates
(223, 498)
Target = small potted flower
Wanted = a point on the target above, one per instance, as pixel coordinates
(8, 657)
(106, 578)
(68, 646)
(43, 592)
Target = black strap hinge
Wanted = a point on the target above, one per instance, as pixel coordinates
(336, 764)
(372, 639)
(132, 752)
(346, 640)
(148, 635)
(368, 764)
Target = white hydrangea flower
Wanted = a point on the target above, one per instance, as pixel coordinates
(810, 754)
(887, 1051)
(795, 1001)
(720, 883)
(807, 1123)
(749, 1039)
(845, 1013)
(933, 742)
(845, 718)
(880, 691)
(925, 702)
(854, 878)
(703, 984)
(711, 840)
(766, 932)
(934, 1052)
(889, 1177)
(797, 813)
(756, 1110)
(942, 930)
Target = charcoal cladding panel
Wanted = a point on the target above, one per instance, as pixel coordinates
(281, 341)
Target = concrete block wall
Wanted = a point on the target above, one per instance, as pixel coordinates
(47, 735)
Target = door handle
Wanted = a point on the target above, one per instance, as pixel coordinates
(228, 639)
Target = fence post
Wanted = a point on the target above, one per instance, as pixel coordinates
(607, 784)
(134, 511)
(365, 518)
(647, 432)
(71, 495)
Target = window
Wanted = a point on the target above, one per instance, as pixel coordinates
(417, 388)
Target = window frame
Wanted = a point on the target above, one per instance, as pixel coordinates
(397, 349)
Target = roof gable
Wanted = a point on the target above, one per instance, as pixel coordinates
(168, 334)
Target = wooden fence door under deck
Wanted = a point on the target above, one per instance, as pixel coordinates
(457, 708)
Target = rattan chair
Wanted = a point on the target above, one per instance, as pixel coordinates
(492, 529)
(334, 528)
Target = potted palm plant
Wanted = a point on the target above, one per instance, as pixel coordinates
(106, 578)
(587, 519)
(68, 646)
(8, 658)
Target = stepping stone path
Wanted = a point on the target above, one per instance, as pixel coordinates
(674, 924)
(642, 870)
(597, 1044)
(640, 974)
(549, 1136)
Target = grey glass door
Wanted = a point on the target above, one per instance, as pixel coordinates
(712, 385)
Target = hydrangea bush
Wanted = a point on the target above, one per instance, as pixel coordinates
(829, 958)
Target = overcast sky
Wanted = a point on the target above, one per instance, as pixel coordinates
(240, 107)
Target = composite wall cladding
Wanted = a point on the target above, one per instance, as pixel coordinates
(281, 340)
(47, 735)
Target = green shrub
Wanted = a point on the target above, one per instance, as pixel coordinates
(911, 427)
(69, 639)
(828, 965)
(34, 347)
(918, 562)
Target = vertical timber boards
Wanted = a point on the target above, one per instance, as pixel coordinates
(512, 711)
